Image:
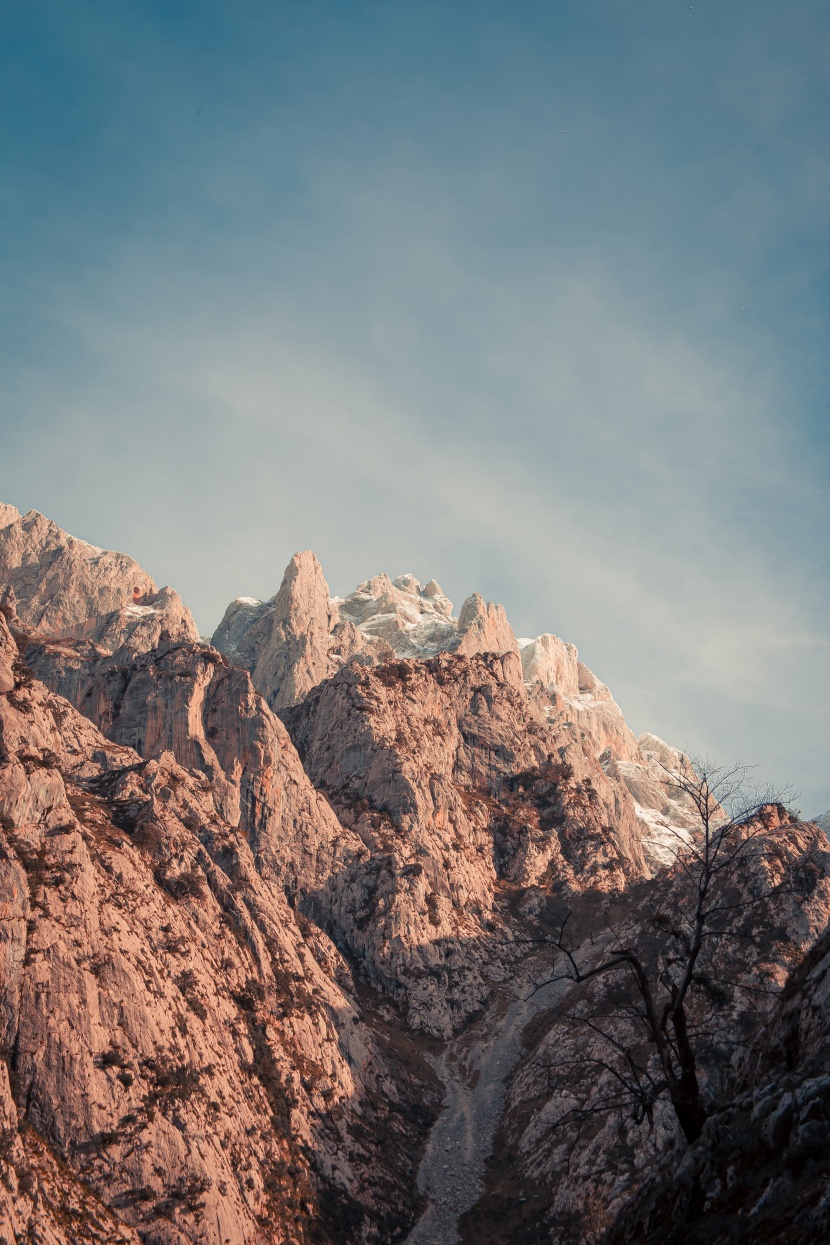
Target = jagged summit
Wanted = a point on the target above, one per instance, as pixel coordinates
(58, 587)
(382, 618)
(302, 636)
(415, 621)
(62, 586)
(230, 936)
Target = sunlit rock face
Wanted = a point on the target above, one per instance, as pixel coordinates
(256, 894)
(8, 514)
(292, 642)
(61, 586)
(168, 1023)
(458, 785)
(423, 786)
(303, 635)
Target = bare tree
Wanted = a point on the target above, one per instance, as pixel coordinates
(669, 973)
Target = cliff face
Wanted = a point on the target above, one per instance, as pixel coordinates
(460, 790)
(256, 894)
(574, 1157)
(62, 586)
(427, 787)
(176, 1037)
(303, 636)
(761, 1171)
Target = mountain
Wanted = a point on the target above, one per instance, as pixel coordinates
(62, 586)
(278, 912)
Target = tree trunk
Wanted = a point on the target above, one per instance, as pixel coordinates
(691, 1115)
(685, 1092)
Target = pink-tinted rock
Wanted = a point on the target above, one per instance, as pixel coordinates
(179, 1038)
(67, 587)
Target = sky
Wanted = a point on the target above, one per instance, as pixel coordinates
(532, 298)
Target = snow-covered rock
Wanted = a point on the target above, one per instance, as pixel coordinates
(303, 635)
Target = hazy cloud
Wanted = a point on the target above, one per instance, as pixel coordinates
(337, 279)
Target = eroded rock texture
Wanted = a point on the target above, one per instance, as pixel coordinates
(303, 635)
(760, 1173)
(63, 586)
(177, 1039)
(249, 889)
(572, 1160)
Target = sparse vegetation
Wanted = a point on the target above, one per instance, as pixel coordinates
(647, 1035)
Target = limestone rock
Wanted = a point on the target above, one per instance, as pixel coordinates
(666, 813)
(456, 783)
(66, 587)
(569, 691)
(444, 775)
(577, 1178)
(552, 664)
(186, 699)
(553, 671)
(292, 642)
(761, 1169)
(412, 621)
(183, 1043)
(8, 514)
(229, 938)
(483, 628)
(302, 635)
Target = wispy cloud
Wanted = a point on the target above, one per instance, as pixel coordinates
(363, 294)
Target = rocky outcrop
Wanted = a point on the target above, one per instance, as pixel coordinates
(413, 621)
(229, 938)
(292, 642)
(302, 635)
(551, 665)
(553, 671)
(571, 1139)
(177, 1042)
(447, 782)
(185, 699)
(8, 514)
(647, 766)
(483, 628)
(61, 586)
(665, 811)
(760, 1173)
(460, 789)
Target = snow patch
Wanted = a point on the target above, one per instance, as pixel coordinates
(664, 839)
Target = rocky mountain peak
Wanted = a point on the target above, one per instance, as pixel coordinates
(64, 586)
(247, 957)
(303, 596)
(551, 664)
(380, 619)
(8, 514)
(483, 628)
(414, 621)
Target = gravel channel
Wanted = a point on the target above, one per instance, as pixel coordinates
(474, 1069)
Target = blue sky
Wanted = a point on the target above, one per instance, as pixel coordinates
(529, 297)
